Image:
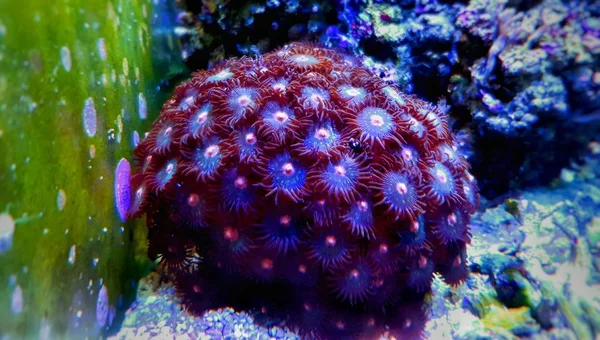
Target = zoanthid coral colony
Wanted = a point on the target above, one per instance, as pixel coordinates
(300, 185)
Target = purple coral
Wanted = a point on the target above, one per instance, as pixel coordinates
(300, 179)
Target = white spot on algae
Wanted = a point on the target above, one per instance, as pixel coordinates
(72, 254)
(7, 231)
(45, 331)
(101, 45)
(16, 303)
(61, 199)
(105, 79)
(65, 58)
(89, 117)
(92, 151)
(142, 107)
(135, 138)
(125, 67)
(102, 307)
(119, 122)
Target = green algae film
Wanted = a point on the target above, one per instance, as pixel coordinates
(76, 75)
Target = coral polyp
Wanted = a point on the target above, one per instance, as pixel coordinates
(321, 140)
(353, 282)
(399, 192)
(278, 122)
(238, 192)
(341, 179)
(160, 176)
(302, 180)
(200, 124)
(359, 219)
(330, 247)
(204, 159)
(374, 124)
(287, 177)
(281, 231)
(190, 210)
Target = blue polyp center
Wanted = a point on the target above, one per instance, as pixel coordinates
(398, 190)
(375, 123)
(167, 172)
(192, 206)
(442, 182)
(188, 100)
(322, 139)
(314, 96)
(280, 85)
(138, 198)
(304, 59)
(341, 176)
(208, 159)
(278, 118)
(356, 95)
(236, 190)
(409, 154)
(360, 214)
(469, 192)
(247, 143)
(221, 75)
(282, 232)
(165, 135)
(453, 224)
(414, 235)
(357, 278)
(331, 248)
(240, 100)
(288, 175)
(322, 209)
(201, 119)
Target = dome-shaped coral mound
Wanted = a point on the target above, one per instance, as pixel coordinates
(301, 170)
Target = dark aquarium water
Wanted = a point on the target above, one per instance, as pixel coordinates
(300, 169)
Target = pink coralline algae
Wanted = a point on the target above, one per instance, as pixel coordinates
(300, 184)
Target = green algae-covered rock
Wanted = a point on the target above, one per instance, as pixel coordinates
(78, 85)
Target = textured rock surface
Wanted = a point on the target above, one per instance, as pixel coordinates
(536, 267)
(521, 77)
(155, 315)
